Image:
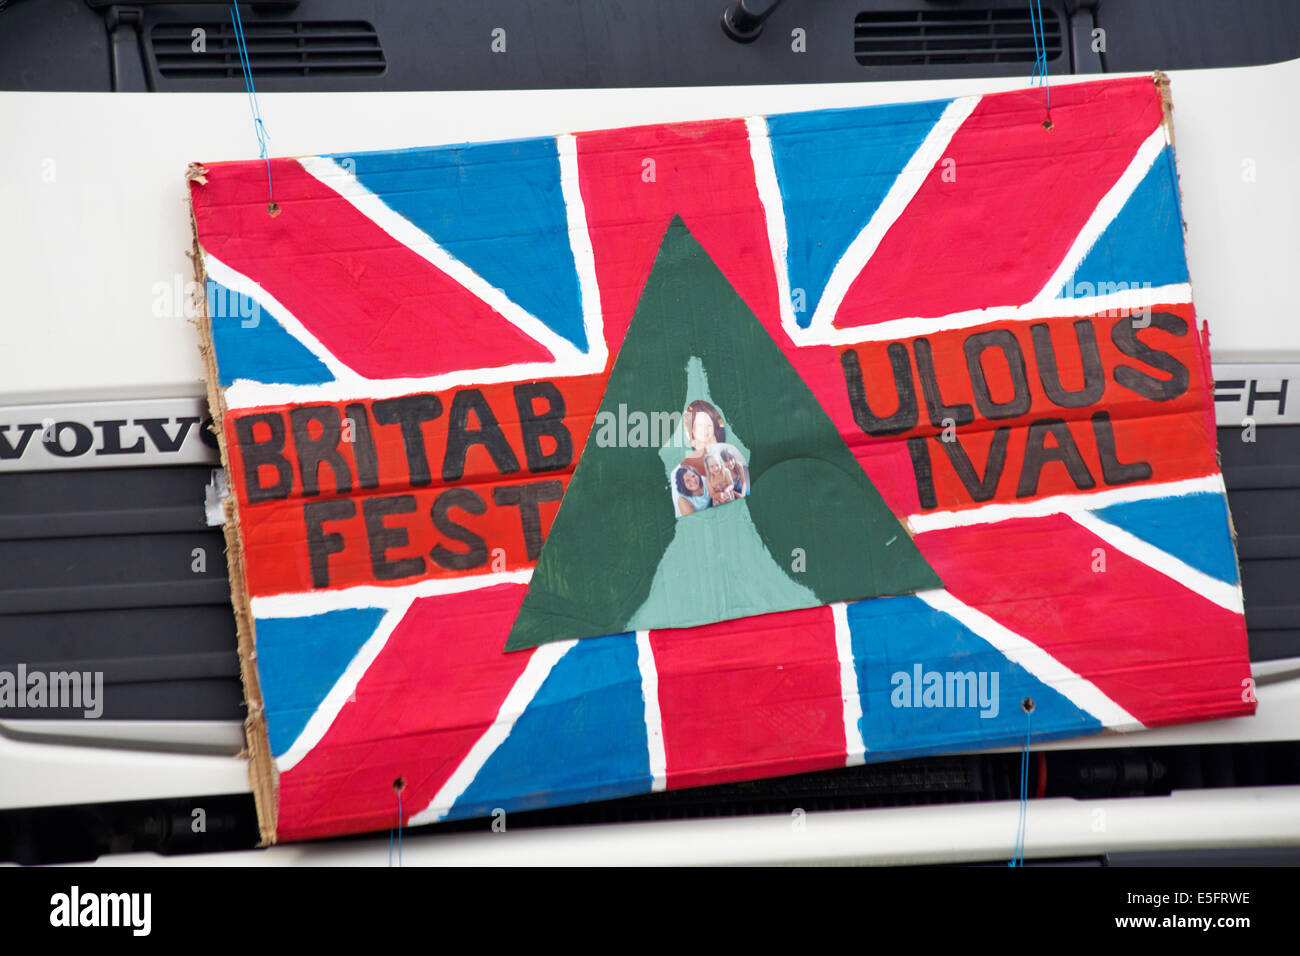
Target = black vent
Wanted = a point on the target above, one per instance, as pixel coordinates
(1263, 479)
(283, 49)
(930, 37)
(98, 572)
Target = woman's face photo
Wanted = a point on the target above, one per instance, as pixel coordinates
(702, 432)
(692, 482)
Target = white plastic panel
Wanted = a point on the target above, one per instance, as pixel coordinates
(93, 189)
(224, 737)
(957, 833)
(46, 774)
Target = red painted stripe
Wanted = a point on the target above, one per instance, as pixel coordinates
(1158, 649)
(1017, 197)
(634, 181)
(424, 702)
(381, 309)
(755, 697)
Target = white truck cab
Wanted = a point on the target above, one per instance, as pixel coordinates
(108, 564)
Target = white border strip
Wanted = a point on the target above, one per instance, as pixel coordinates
(855, 746)
(1115, 303)
(901, 193)
(584, 255)
(243, 393)
(1080, 691)
(521, 695)
(769, 196)
(304, 603)
(1107, 209)
(1063, 504)
(1227, 596)
(654, 723)
(344, 688)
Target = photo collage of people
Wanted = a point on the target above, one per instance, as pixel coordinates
(715, 472)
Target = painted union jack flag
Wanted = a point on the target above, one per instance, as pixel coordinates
(995, 315)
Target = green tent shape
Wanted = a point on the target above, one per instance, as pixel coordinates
(811, 530)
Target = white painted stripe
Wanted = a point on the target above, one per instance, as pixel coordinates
(373, 207)
(1116, 303)
(1227, 596)
(221, 273)
(303, 603)
(243, 393)
(769, 194)
(900, 194)
(654, 723)
(1063, 504)
(539, 667)
(342, 691)
(855, 746)
(584, 256)
(1107, 209)
(1074, 687)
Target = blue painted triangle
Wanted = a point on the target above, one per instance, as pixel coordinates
(300, 658)
(582, 737)
(498, 208)
(834, 168)
(1143, 244)
(1195, 529)
(251, 343)
(900, 642)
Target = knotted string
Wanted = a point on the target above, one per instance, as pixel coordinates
(396, 786)
(1018, 854)
(1040, 57)
(258, 126)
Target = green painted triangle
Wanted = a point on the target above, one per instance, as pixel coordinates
(811, 531)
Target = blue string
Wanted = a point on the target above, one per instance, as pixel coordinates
(246, 66)
(399, 833)
(1018, 854)
(1040, 51)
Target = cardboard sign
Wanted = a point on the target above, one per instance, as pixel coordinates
(589, 465)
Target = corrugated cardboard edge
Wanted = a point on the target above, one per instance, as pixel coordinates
(261, 771)
(1161, 81)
